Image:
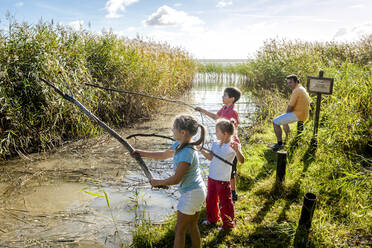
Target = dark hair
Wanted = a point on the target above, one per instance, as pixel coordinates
(294, 78)
(233, 92)
(190, 124)
(226, 126)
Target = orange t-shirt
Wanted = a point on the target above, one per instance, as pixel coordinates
(300, 101)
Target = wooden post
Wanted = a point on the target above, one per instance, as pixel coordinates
(304, 224)
(314, 141)
(300, 127)
(307, 211)
(281, 166)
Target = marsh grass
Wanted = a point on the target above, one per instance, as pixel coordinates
(33, 118)
(339, 172)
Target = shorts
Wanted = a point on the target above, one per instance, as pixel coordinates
(192, 201)
(285, 118)
(233, 171)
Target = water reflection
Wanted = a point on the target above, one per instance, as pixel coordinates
(52, 211)
(207, 93)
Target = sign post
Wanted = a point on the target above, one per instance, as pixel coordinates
(319, 85)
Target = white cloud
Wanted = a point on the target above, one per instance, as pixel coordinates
(166, 16)
(131, 29)
(76, 25)
(177, 4)
(353, 33)
(357, 6)
(223, 4)
(114, 6)
(222, 43)
(19, 4)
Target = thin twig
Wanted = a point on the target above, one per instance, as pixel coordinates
(141, 94)
(167, 137)
(149, 135)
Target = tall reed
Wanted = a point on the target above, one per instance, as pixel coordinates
(345, 113)
(33, 118)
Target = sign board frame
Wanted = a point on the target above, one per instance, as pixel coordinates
(319, 83)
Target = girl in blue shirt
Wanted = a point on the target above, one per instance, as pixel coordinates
(187, 175)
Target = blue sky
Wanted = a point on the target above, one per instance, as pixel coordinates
(206, 28)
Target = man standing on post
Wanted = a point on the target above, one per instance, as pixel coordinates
(297, 110)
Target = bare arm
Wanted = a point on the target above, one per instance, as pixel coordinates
(210, 114)
(159, 155)
(175, 179)
(206, 154)
(239, 155)
(289, 109)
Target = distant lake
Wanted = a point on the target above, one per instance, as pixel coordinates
(222, 61)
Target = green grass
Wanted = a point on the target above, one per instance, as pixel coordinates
(339, 173)
(267, 216)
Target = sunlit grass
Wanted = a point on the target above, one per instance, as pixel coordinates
(339, 173)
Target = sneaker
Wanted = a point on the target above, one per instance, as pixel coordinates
(277, 147)
(207, 223)
(234, 196)
(220, 229)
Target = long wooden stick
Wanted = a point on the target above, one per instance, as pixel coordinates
(167, 137)
(105, 127)
(141, 94)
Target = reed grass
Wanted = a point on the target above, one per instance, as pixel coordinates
(346, 113)
(33, 118)
(339, 173)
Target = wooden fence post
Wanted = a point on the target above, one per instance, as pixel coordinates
(281, 166)
(304, 224)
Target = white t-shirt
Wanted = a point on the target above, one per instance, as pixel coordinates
(219, 170)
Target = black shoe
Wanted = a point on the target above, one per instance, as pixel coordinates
(277, 147)
(234, 196)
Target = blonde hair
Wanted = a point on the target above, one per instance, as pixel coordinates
(226, 126)
(189, 124)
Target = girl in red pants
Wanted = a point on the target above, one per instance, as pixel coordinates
(220, 173)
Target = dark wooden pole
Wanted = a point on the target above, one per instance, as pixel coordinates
(314, 142)
(304, 224)
(307, 211)
(281, 166)
(300, 127)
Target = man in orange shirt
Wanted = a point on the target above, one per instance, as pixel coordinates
(297, 110)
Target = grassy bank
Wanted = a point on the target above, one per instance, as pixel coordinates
(339, 172)
(267, 216)
(34, 118)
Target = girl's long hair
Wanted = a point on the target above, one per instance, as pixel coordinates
(190, 124)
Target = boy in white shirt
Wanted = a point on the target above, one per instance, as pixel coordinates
(219, 174)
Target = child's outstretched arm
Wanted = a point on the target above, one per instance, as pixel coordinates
(159, 155)
(206, 154)
(175, 179)
(239, 155)
(210, 114)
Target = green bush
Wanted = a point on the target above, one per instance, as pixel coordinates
(345, 115)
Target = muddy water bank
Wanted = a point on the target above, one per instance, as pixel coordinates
(43, 203)
(42, 196)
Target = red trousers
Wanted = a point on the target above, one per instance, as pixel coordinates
(220, 190)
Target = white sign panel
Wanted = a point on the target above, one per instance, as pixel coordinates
(320, 85)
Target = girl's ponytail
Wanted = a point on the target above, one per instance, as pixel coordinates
(191, 125)
(201, 140)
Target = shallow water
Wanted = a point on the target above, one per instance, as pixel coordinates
(42, 196)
